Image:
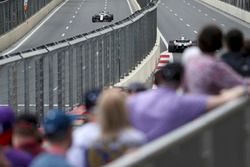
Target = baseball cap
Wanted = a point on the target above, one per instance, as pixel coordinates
(56, 121)
(90, 98)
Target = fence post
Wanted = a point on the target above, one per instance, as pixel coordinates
(61, 79)
(12, 86)
(39, 87)
(26, 85)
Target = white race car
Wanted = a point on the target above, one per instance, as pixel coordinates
(180, 45)
(103, 16)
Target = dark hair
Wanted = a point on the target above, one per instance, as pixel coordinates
(26, 124)
(210, 38)
(246, 47)
(172, 72)
(234, 40)
(59, 136)
(90, 98)
(27, 118)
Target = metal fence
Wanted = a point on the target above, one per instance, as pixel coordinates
(243, 4)
(143, 3)
(57, 74)
(15, 12)
(220, 138)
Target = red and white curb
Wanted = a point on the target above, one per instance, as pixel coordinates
(165, 58)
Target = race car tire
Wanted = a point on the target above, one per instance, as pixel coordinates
(171, 47)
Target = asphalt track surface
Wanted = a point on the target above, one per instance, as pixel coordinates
(178, 18)
(74, 18)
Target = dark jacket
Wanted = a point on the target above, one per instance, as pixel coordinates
(238, 61)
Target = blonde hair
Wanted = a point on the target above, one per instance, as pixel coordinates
(112, 113)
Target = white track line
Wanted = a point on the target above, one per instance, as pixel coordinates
(163, 39)
(33, 31)
(130, 8)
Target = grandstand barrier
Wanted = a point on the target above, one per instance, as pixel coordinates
(237, 8)
(14, 34)
(219, 138)
(57, 74)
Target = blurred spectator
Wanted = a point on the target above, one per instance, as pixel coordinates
(136, 87)
(16, 157)
(86, 134)
(7, 119)
(234, 56)
(84, 112)
(156, 112)
(3, 160)
(206, 74)
(57, 129)
(116, 136)
(26, 135)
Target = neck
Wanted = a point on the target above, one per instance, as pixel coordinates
(57, 148)
(170, 85)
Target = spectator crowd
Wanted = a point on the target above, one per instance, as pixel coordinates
(119, 120)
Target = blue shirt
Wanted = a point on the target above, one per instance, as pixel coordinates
(156, 112)
(50, 160)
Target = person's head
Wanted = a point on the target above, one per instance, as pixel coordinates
(171, 75)
(210, 39)
(234, 40)
(26, 134)
(246, 48)
(58, 128)
(7, 118)
(190, 53)
(112, 112)
(136, 87)
(90, 99)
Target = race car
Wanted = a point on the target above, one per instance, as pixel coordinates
(103, 16)
(180, 45)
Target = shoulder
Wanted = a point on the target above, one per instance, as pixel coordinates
(85, 134)
(18, 156)
(49, 160)
(131, 135)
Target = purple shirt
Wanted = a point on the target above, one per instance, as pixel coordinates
(208, 75)
(18, 158)
(156, 112)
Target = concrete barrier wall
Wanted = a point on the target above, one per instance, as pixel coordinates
(17, 33)
(229, 9)
(144, 70)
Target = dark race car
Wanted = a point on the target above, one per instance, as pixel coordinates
(180, 45)
(102, 17)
